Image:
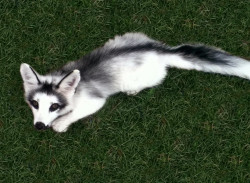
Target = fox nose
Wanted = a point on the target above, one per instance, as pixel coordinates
(40, 126)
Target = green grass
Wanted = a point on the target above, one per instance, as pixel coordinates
(192, 128)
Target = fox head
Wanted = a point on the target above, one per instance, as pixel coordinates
(49, 96)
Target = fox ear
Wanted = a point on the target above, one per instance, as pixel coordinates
(68, 83)
(30, 77)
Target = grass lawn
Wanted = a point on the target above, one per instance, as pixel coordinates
(192, 128)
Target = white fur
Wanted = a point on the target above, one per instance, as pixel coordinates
(132, 79)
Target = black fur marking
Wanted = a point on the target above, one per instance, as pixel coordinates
(203, 53)
(47, 88)
(39, 82)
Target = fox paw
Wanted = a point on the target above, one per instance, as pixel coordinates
(133, 93)
(59, 127)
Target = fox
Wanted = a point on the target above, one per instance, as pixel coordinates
(127, 63)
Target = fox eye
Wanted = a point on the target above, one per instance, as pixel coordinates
(34, 103)
(54, 107)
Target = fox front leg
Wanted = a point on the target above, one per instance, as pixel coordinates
(83, 109)
(61, 124)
